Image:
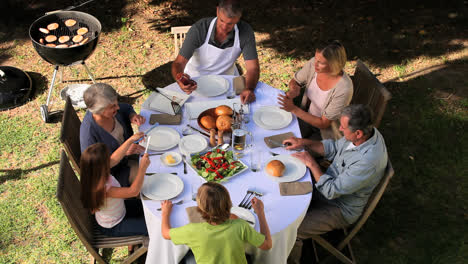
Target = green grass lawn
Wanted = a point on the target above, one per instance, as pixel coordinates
(422, 218)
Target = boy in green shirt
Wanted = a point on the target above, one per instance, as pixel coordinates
(220, 239)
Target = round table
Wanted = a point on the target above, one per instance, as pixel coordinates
(283, 213)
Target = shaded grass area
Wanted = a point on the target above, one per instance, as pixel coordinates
(422, 217)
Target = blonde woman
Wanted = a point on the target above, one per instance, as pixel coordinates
(328, 88)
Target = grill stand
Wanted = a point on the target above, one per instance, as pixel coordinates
(45, 108)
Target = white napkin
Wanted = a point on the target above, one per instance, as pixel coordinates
(160, 103)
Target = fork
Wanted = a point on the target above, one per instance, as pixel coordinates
(246, 198)
(273, 154)
(178, 203)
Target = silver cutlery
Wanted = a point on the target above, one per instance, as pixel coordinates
(279, 144)
(185, 163)
(199, 131)
(178, 203)
(247, 200)
(147, 131)
(152, 173)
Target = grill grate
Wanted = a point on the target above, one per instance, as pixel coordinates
(64, 30)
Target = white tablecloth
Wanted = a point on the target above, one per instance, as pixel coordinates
(283, 213)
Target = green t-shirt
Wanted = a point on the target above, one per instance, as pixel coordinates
(222, 243)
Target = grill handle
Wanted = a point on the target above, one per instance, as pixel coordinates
(68, 8)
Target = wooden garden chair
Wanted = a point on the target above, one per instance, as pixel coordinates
(179, 37)
(368, 90)
(350, 232)
(81, 220)
(70, 134)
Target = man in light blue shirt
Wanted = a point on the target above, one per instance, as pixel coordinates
(359, 161)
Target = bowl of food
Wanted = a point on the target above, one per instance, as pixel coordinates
(219, 118)
(216, 165)
(171, 158)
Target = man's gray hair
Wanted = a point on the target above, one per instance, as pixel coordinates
(231, 8)
(360, 118)
(98, 96)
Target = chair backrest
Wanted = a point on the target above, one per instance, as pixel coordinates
(70, 134)
(179, 37)
(368, 90)
(68, 194)
(371, 204)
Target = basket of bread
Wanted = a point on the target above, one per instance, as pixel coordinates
(217, 121)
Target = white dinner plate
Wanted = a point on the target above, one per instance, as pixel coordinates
(272, 117)
(211, 85)
(177, 157)
(162, 186)
(192, 144)
(244, 214)
(294, 171)
(162, 138)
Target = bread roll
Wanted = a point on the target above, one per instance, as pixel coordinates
(77, 38)
(223, 110)
(70, 22)
(208, 122)
(224, 123)
(275, 168)
(44, 30)
(52, 26)
(64, 39)
(50, 38)
(82, 31)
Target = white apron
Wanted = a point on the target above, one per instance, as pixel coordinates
(208, 59)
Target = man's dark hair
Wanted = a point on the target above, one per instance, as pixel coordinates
(231, 8)
(360, 118)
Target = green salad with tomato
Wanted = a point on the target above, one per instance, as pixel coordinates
(216, 165)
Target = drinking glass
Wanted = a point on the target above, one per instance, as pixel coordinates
(231, 93)
(195, 184)
(256, 160)
(241, 140)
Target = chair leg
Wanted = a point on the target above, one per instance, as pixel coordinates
(315, 251)
(338, 254)
(135, 255)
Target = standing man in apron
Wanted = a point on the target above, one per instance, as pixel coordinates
(213, 45)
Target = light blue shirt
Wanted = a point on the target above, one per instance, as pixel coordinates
(353, 174)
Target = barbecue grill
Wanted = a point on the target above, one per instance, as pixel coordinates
(67, 56)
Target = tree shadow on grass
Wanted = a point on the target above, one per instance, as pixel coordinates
(422, 215)
(158, 77)
(15, 174)
(380, 32)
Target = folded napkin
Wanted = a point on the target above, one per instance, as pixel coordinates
(165, 119)
(193, 215)
(239, 84)
(295, 188)
(276, 140)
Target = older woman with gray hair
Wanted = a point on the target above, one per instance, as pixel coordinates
(109, 122)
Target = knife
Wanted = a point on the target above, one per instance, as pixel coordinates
(199, 131)
(279, 144)
(147, 131)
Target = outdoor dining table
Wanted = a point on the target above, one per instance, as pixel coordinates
(283, 213)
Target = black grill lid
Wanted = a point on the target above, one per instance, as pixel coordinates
(15, 87)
